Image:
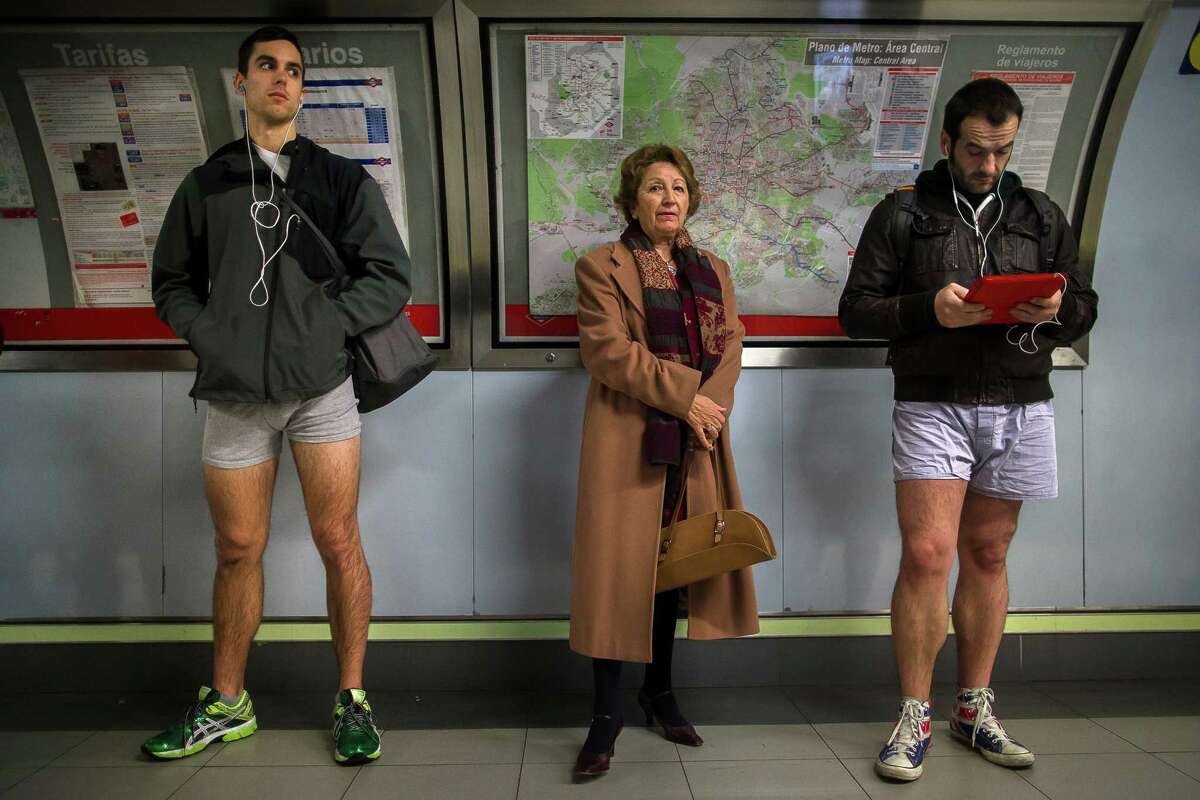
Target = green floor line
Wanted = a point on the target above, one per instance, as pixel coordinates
(517, 630)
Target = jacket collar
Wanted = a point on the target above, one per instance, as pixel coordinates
(626, 273)
(936, 189)
(233, 157)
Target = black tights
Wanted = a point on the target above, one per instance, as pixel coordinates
(606, 673)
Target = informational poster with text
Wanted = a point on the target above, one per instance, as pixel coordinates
(1044, 96)
(118, 141)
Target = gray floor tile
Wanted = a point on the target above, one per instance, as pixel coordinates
(824, 778)
(845, 703)
(84, 711)
(563, 709)
(140, 710)
(1013, 701)
(957, 778)
(101, 783)
(1188, 763)
(36, 748)
(427, 710)
(756, 742)
(1157, 734)
(269, 783)
(474, 781)
(760, 706)
(123, 749)
(483, 746)
(1109, 777)
(830, 704)
(866, 739)
(311, 710)
(625, 781)
(1126, 698)
(1065, 736)
(11, 776)
(561, 745)
(278, 749)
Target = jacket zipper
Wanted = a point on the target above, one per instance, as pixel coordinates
(975, 249)
(270, 328)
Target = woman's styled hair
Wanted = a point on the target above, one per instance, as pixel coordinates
(634, 167)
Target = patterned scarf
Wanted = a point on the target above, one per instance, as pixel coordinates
(665, 324)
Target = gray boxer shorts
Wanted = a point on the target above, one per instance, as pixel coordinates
(1004, 451)
(240, 435)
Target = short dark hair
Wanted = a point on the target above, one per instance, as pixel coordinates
(634, 167)
(267, 33)
(989, 97)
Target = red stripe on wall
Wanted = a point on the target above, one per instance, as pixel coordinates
(132, 324)
(81, 324)
(425, 317)
(761, 325)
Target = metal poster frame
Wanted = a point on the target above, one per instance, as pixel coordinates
(436, 17)
(474, 18)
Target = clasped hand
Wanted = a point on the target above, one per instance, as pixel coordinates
(706, 420)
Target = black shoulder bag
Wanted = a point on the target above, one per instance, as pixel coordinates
(387, 360)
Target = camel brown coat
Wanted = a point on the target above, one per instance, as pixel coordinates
(620, 493)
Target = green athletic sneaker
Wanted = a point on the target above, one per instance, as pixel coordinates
(355, 737)
(208, 719)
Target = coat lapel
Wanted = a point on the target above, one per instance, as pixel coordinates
(626, 272)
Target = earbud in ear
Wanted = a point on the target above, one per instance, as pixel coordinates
(242, 88)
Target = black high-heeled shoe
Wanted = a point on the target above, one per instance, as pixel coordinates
(589, 763)
(683, 734)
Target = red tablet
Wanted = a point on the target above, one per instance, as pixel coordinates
(1001, 292)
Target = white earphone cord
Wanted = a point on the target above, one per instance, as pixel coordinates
(957, 198)
(1030, 335)
(256, 206)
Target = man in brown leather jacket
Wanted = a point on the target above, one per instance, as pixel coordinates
(973, 427)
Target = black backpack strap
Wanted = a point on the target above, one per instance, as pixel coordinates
(338, 282)
(1047, 230)
(904, 208)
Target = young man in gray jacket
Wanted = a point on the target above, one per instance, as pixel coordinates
(240, 274)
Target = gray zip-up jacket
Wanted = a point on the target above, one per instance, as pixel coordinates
(207, 260)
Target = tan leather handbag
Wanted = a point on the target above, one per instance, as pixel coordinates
(700, 547)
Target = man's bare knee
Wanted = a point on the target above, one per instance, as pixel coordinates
(338, 542)
(926, 557)
(987, 552)
(240, 548)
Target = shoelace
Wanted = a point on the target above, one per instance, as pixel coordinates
(189, 718)
(908, 728)
(198, 711)
(983, 715)
(356, 718)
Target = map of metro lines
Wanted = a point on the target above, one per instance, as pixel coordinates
(574, 86)
(786, 151)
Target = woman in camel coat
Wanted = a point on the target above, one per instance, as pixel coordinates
(660, 335)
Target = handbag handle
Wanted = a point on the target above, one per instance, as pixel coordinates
(719, 526)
